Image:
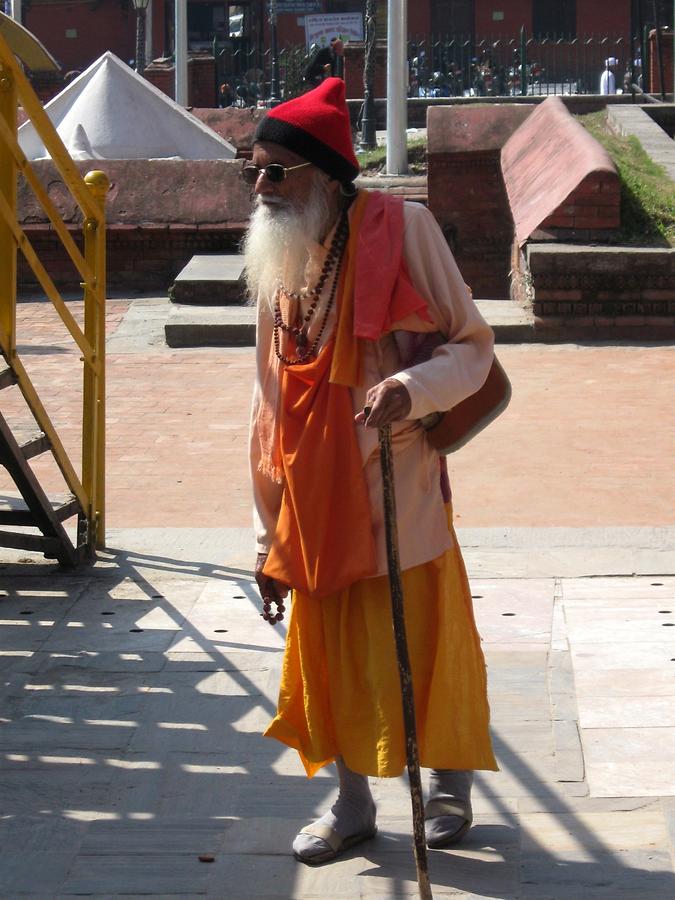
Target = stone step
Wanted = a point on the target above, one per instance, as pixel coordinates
(210, 326)
(234, 326)
(213, 278)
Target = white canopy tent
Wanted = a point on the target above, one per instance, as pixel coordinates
(110, 112)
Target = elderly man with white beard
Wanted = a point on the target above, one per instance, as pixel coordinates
(360, 303)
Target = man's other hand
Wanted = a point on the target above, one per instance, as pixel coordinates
(269, 588)
(389, 401)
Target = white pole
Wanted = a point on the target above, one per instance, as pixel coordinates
(16, 11)
(180, 52)
(397, 90)
(148, 34)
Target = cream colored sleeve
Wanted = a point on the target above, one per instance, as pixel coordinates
(266, 493)
(458, 368)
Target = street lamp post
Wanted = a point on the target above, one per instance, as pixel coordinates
(274, 80)
(141, 7)
(368, 124)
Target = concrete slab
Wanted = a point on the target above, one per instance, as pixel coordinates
(202, 326)
(116, 753)
(211, 279)
(211, 327)
(627, 762)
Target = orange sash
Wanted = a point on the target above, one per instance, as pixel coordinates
(324, 541)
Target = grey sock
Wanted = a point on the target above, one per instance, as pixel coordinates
(451, 786)
(352, 813)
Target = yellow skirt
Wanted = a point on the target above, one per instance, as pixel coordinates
(340, 693)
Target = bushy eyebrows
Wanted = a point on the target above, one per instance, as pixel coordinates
(270, 156)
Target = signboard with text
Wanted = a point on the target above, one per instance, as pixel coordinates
(320, 30)
(299, 7)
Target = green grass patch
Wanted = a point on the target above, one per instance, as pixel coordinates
(647, 193)
(373, 161)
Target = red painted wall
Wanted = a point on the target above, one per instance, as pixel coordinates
(603, 18)
(593, 17)
(107, 27)
(289, 33)
(419, 17)
(516, 14)
(158, 42)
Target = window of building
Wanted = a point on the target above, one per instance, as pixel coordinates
(554, 17)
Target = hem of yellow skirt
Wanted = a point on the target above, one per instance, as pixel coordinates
(278, 730)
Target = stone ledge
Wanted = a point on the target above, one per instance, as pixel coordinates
(213, 278)
(219, 326)
(544, 258)
(631, 120)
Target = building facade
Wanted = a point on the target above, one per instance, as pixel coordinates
(77, 32)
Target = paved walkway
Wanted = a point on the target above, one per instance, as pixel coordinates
(132, 695)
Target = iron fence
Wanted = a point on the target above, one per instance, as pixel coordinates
(462, 65)
(250, 74)
(454, 65)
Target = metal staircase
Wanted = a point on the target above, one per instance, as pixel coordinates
(85, 497)
(34, 508)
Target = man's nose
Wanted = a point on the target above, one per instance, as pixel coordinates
(263, 185)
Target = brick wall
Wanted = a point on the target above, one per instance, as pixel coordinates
(153, 230)
(354, 70)
(467, 193)
(594, 204)
(201, 80)
(666, 45)
(139, 257)
(468, 199)
(602, 284)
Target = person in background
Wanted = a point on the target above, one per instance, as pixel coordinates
(226, 95)
(326, 63)
(608, 78)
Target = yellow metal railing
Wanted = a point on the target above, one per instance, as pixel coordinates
(89, 193)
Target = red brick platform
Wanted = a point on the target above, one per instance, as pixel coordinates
(588, 439)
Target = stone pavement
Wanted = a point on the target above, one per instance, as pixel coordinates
(132, 694)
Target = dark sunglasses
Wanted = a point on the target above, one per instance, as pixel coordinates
(275, 172)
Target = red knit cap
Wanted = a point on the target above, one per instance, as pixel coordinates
(315, 126)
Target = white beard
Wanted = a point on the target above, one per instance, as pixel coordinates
(277, 243)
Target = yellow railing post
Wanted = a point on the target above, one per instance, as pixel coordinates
(8, 108)
(93, 422)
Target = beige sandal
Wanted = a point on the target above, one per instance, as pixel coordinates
(438, 809)
(336, 844)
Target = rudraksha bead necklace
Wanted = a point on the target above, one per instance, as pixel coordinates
(299, 333)
(267, 613)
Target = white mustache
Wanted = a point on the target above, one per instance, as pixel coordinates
(270, 200)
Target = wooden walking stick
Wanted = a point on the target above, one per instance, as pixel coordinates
(396, 587)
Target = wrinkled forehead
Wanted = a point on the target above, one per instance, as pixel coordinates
(266, 152)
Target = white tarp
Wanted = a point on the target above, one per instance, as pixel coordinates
(111, 112)
(321, 29)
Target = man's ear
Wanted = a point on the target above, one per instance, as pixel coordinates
(333, 187)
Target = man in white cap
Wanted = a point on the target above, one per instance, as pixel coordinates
(360, 303)
(608, 78)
